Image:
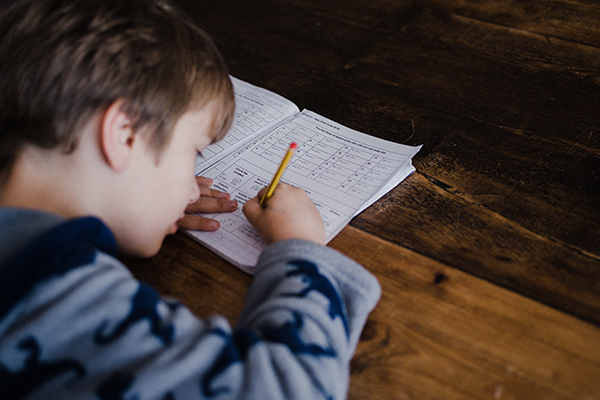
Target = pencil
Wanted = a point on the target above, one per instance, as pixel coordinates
(280, 170)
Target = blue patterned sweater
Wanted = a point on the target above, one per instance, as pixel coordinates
(74, 323)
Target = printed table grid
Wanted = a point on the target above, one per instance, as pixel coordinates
(328, 160)
(248, 119)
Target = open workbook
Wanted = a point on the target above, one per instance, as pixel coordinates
(342, 170)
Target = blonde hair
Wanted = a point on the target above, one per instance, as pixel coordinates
(62, 61)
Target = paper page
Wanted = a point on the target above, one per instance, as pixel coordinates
(342, 170)
(256, 111)
(401, 175)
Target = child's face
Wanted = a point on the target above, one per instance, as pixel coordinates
(165, 188)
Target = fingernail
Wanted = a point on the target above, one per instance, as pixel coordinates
(213, 225)
(232, 203)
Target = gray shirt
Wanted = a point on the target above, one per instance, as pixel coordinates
(75, 324)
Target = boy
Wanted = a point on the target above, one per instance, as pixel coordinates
(103, 107)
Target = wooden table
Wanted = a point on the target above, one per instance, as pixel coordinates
(489, 255)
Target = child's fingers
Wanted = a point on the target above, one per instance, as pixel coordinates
(252, 209)
(207, 204)
(205, 191)
(289, 214)
(198, 223)
(202, 181)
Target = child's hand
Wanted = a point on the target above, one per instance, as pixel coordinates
(289, 214)
(210, 201)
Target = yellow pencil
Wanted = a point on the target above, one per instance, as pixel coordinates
(275, 181)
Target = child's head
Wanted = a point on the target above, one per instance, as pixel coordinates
(63, 61)
(68, 65)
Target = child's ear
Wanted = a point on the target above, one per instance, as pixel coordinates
(117, 136)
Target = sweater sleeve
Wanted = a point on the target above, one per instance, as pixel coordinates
(309, 304)
(323, 278)
(96, 332)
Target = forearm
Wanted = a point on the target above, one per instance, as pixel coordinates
(310, 303)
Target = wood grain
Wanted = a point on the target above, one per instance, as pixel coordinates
(440, 333)
(489, 254)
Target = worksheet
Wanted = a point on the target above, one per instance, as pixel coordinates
(342, 170)
(256, 111)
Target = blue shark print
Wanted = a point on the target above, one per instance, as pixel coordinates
(115, 387)
(143, 306)
(289, 335)
(317, 282)
(17, 385)
(68, 246)
(235, 350)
